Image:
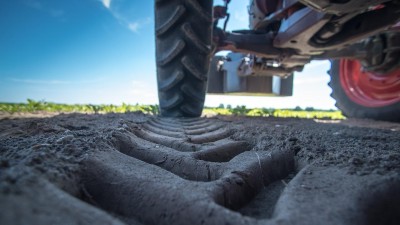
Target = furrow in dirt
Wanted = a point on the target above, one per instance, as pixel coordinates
(159, 125)
(231, 183)
(168, 133)
(210, 128)
(187, 125)
(137, 169)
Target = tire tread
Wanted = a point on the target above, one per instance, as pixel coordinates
(183, 39)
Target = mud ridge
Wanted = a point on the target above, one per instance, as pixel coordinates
(138, 169)
(165, 177)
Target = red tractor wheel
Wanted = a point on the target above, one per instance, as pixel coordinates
(365, 94)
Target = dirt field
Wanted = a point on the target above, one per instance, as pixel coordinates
(139, 169)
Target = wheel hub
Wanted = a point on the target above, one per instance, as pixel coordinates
(368, 88)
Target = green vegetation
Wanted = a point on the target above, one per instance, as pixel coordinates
(38, 106)
(298, 112)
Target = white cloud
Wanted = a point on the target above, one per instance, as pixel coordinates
(120, 10)
(134, 26)
(106, 3)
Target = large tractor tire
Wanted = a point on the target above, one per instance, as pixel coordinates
(183, 49)
(362, 94)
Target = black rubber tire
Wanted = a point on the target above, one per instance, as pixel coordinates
(353, 110)
(183, 30)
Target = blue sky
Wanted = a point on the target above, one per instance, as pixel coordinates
(102, 52)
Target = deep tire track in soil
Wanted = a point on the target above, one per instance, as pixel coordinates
(191, 171)
(138, 169)
(190, 174)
